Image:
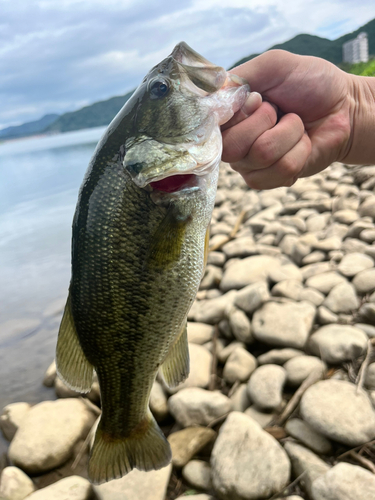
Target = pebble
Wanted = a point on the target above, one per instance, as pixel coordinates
(50, 375)
(299, 368)
(12, 417)
(290, 289)
(367, 208)
(158, 402)
(345, 482)
(201, 496)
(188, 442)
(242, 451)
(200, 368)
(224, 354)
(278, 356)
(266, 385)
(198, 474)
(199, 333)
(263, 419)
(251, 297)
(151, 485)
(239, 247)
(338, 343)
(247, 271)
(353, 263)
(15, 484)
(335, 409)
(212, 277)
(240, 325)
(239, 366)
(368, 329)
(325, 316)
(364, 281)
(370, 376)
(287, 324)
(308, 436)
(342, 299)
(324, 282)
(211, 311)
(195, 406)
(37, 447)
(240, 399)
(70, 488)
(216, 259)
(328, 244)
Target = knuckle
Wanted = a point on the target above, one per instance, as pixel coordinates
(289, 167)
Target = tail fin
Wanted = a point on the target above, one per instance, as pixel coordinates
(146, 448)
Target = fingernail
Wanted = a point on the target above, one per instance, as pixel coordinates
(253, 101)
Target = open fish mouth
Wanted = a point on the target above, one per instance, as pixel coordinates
(175, 183)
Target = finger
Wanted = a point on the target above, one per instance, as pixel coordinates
(282, 173)
(237, 140)
(252, 103)
(276, 142)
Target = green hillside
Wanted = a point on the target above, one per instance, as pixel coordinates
(96, 115)
(310, 45)
(29, 128)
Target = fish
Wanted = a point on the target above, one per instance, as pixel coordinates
(139, 246)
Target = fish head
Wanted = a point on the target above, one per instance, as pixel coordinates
(176, 116)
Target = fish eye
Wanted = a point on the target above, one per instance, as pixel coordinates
(159, 89)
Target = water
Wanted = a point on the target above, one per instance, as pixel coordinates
(40, 178)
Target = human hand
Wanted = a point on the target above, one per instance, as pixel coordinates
(314, 130)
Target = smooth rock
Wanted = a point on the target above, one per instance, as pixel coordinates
(265, 386)
(239, 247)
(285, 272)
(240, 325)
(328, 244)
(158, 402)
(251, 297)
(212, 277)
(211, 311)
(224, 354)
(325, 316)
(239, 366)
(188, 442)
(308, 436)
(242, 451)
(199, 333)
(367, 208)
(278, 356)
(345, 482)
(151, 485)
(240, 399)
(216, 258)
(290, 289)
(364, 282)
(69, 488)
(326, 281)
(300, 367)
(200, 368)
(247, 271)
(307, 463)
(345, 216)
(353, 263)
(366, 313)
(12, 417)
(195, 406)
(370, 376)
(201, 496)
(37, 447)
(335, 409)
(311, 295)
(315, 269)
(342, 299)
(15, 484)
(198, 474)
(50, 375)
(337, 343)
(313, 257)
(286, 324)
(63, 391)
(262, 418)
(368, 329)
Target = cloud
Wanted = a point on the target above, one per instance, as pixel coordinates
(54, 56)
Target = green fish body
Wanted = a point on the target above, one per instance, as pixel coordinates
(138, 252)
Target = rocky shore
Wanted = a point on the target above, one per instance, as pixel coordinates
(280, 402)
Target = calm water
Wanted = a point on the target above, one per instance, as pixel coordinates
(39, 182)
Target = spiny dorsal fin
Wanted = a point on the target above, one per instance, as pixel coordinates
(175, 368)
(72, 365)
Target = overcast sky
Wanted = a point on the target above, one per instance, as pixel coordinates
(59, 55)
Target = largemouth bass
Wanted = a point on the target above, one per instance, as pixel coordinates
(138, 251)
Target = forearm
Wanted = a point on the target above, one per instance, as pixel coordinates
(361, 147)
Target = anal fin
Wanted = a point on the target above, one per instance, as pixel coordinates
(175, 368)
(72, 365)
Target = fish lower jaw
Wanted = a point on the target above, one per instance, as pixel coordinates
(173, 183)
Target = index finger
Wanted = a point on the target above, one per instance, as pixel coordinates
(252, 103)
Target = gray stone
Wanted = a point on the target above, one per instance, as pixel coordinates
(195, 406)
(244, 450)
(158, 402)
(199, 333)
(313, 257)
(311, 295)
(364, 282)
(240, 399)
(308, 436)
(290, 289)
(37, 447)
(239, 366)
(216, 259)
(188, 442)
(201, 496)
(265, 386)
(366, 313)
(250, 298)
(337, 343)
(69, 488)
(285, 272)
(367, 208)
(342, 299)
(315, 269)
(200, 368)
(247, 271)
(240, 247)
(12, 417)
(370, 376)
(368, 329)
(351, 245)
(353, 263)
(211, 311)
(368, 235)
(328, 244)
(326, 281)
(300, 367)
(50, 375)
(15, 484)
(286, 324)
(307, 463)
(224, 354)
(151, 485)
(198, 474)
(345, 482)
(212, 277)
(240, 325)
(263, 419)
(316, 223)
(335, 409)
(345, 216)
(326, 317)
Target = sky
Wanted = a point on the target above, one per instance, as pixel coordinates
(60, 55)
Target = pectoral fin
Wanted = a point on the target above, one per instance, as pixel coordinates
(72, 366)
(175, 368)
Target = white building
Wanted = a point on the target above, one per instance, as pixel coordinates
(356, 50)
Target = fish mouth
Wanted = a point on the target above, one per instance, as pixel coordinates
(173, 183)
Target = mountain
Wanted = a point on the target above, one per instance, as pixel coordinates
(310, 45)
(97, 114)
(29, 128)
